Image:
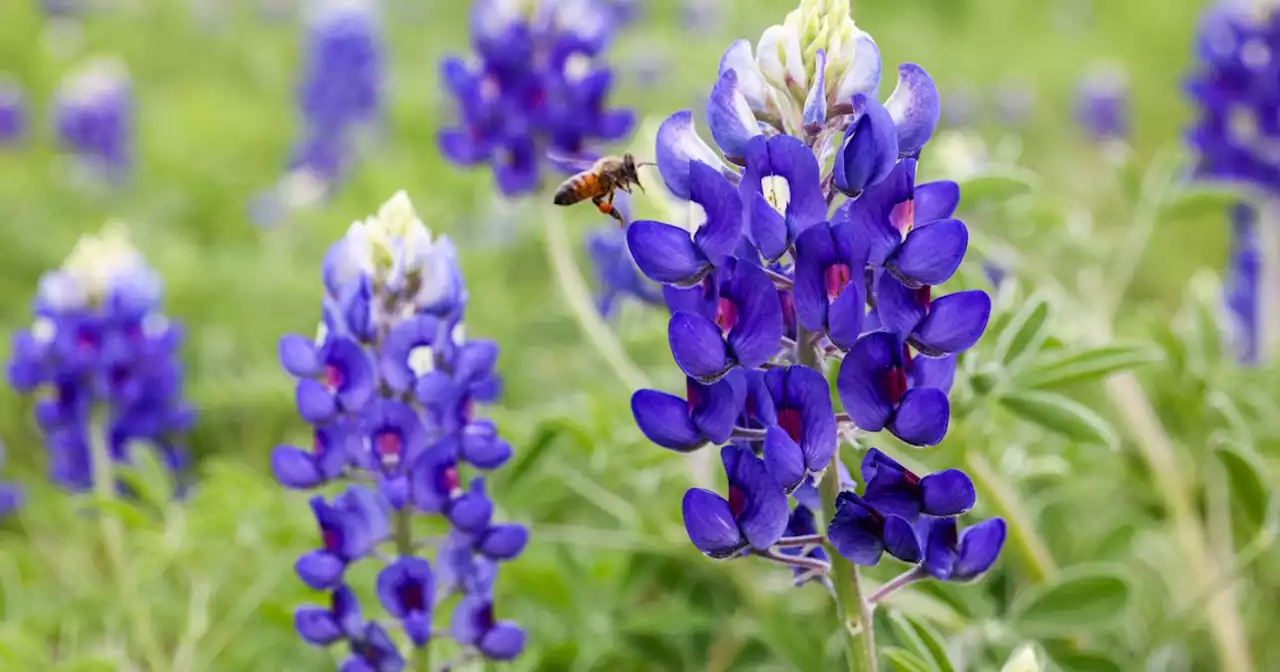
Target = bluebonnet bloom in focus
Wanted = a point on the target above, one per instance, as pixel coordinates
(1243, 283)
(389, 388)
(781, 273)
(1102, 103)
(13, 113)
(94, 117)
(538, 85)
(103, 359)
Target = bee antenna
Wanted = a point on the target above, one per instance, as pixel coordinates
(645, 163)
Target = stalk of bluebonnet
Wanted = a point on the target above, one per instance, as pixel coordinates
(769, 285)
(1102, 103)
(390, 387)
(94, 117)
(13, 114)
(1234, 137)
(103, 360)
(537, 85)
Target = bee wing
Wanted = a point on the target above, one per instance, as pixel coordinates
(571, 163)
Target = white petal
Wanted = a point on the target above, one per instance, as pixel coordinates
(863, 75)
(738, 57)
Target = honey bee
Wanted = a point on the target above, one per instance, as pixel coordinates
(600, 181)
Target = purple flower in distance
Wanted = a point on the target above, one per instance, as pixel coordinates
(331, 451)
(950, 555)
(878, 393)
(1244, 283)
(705, 415)
(94, 116)
(673, 255)
(616, 272)
(323, 626)
(13, 114)
(780, 190)
(350, 527)
(334, 378)
(801, 524)
(744, 329)
(406, 589)
(754, 515)
(474, 625)
(1102, 102)
(373, 651)
(803, 442)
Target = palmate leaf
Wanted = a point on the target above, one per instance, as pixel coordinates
(1064, 368)
(1086, 599)
(1061, 415)
(1024, 334)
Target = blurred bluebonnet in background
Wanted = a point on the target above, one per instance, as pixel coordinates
(94, 118)
(390, 387)
(1102, 103)
(767, 286)
(1015, 101)
(1244, 275)
(537, 84)
(11, 494)
(13, 111)
(103, 360)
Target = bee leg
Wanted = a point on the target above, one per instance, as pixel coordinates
(604, 203)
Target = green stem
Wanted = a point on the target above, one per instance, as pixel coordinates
(403, 536)
(1030, 548)
(104, 491)
(853, 611)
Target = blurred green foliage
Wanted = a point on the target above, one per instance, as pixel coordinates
(610, 581)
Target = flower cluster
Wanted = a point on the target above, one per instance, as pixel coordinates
(1236, 136)
(103, 359)
(769, 284)
(389, 387)
(13, 115)
(94, 117)
(1243, 284)
(1102, 103)
(538, 86)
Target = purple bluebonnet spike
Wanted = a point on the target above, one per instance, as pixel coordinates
(13, 111)
(94, 117)
(101, 347)
(390, 389)
(1102, 103)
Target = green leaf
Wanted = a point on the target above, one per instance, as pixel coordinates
(1025, 658)
(906, 661)
(1072, 367)
(1251, 504)
(1025, 333)
(906, 634)
(1201, 200)
(527, 458)
(1071, 660)
(1082, 601)
(997, 187)
(933, 641)
(1060, 414)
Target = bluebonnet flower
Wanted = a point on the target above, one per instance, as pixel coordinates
(103, 359)
(770, 277)
(1235, 135)
(1102, 103)
(94, 117)
(1244, 283)
(538, 86)
(13, 113)
(390, 388)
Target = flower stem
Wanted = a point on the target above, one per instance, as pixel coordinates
(405, 547)
(897, 583)
(854, 613)
(1032, 550)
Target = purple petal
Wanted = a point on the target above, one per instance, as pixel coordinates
(729, 116)
(900, 540)
(810, 390)
(471, 619)
(979, 548)
(930, 254)
(504, 641)
(666, 253)
(710, 524)
(861, 381)
(460, 147)
(315, 404)
(955, 322)
(295, 468)
(877, 464)
(320, 570)
(617, 124)
(739, 58)
(854, 532)
(482, 447)
(357, 377)
(755, 337)
(939, 372)
(899, 307)
(869, 149)
(715, 407)
(765, 517)
(941, 546)
(472, 511)
(316, 626)
(922, 418)
(947, 493)
(936, 200)
(678, 144)
(792, 160)
(783, 458)
(815, 103)
(768, 228)
(396, 371)
(664, 420)
(505, 541)
(815, 252)
(698, 348)
(868, 217)
(915, 108)
(298, 356)
(719, 236)
(846, 316)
